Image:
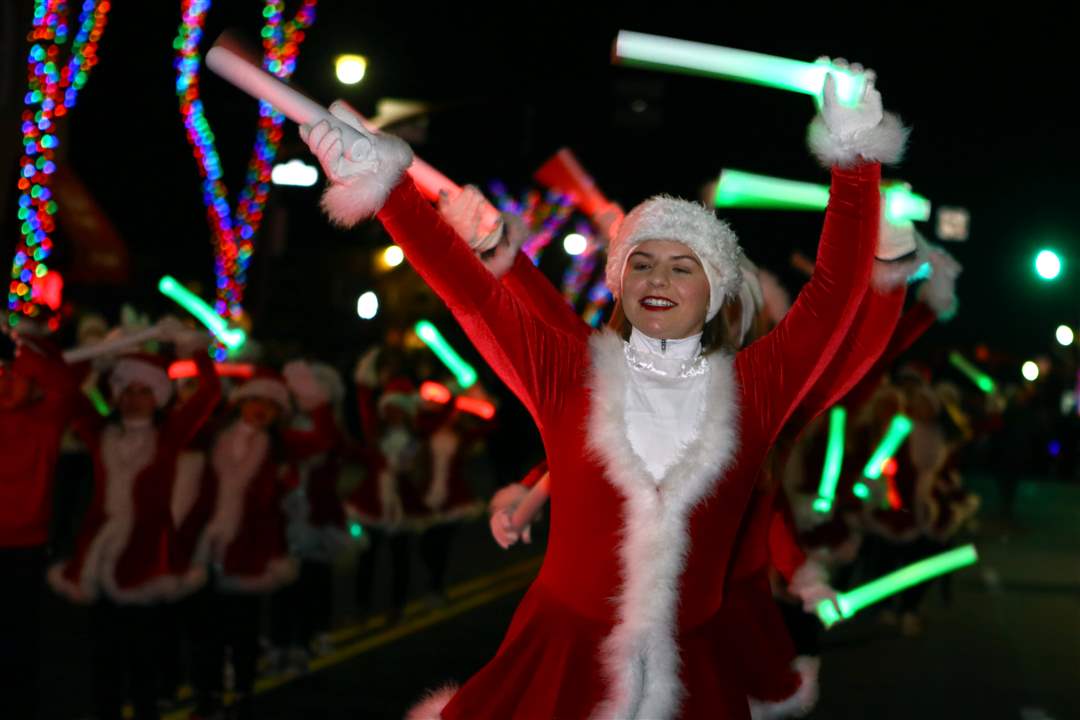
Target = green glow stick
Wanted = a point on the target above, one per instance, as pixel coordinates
(898, 430)
(232, 338)
(98, 400)
(902, 205)
(866, 595)
(356, 530)
(462, 370)
(861, 490)
(834, 458)
(692, 58)
(981, 379)
(736, 188)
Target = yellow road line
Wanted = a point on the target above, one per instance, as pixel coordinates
(488, 588)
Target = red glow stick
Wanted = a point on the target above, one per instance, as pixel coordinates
(563, 172)
(182, 369)
(434, 392)
(475, 406)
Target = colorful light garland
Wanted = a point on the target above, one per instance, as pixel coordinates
(234, 234)
(53, 87)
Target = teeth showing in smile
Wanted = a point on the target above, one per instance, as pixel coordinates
(657, 302)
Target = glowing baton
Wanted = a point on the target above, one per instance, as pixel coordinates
(693, 58)
(981, 379)
(475, 406)
(853, 601)
(531, 503)
(98, 401)
(834, 458)
(232, 338)
(742, 189)
(182, 369)
(115, 345)
(901, 204)
(898, 430)
(464, 372)
(563, 173)
(228, 59)
(435, 392)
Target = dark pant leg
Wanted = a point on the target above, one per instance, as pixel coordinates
(205, 624)
(365, 569)
(22, 570)
(143, 625)
(110, 639)
(241, 612)
(435, 546)
(401, 560)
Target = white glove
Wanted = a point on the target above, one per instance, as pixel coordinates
(304, 386)
(811, 585)
(841, 135)
(848, 122)
(472, 217)
(363, 167)
(502, 508)
(344, 149)
(365, 373)
(939, 291)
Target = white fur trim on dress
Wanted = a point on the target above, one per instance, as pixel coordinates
(431, 707)
(801, 702)
(280, 571)
(364, 195)
(884, 143)
(663, 217)
(640, 657)
(190, 466)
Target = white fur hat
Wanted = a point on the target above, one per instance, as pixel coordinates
(143, 369)
(265, 384)
(667, 218)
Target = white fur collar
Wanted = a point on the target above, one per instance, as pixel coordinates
(126, 450)
(641, 654)
(237, 456)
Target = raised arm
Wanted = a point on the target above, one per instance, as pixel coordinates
(184, 421)
(780, 369)
(531, 357)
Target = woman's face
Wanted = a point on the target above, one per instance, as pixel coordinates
(259, 412)
(136, 402)
(665, 293)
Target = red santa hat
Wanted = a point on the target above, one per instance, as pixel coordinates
(143, 369)
(667, 218)
(399, 392)
(265, 384)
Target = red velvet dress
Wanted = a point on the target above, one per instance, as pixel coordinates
(130, 554)
(659, 549)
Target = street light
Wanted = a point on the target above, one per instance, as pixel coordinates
(575, 244)
(1030, 371)
(367, 305)
(393, 256)
(1047, 264)
(350, 69)
(1065, 335)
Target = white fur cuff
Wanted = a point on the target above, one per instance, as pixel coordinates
(364, 195)
(430, 708)
(883, 143)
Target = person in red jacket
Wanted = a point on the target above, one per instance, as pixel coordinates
(39, 394)
(253, 466)
(654, 436)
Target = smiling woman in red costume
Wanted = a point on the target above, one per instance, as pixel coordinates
(649, 434)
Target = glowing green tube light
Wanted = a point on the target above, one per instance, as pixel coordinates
(692, 58)
(462, 370)
(834, 459)
(860, 598)
(98, 401)
(981, 379)
(736, 188)
(902, 205)
(232, 338)
(861, 490)
(894, 436)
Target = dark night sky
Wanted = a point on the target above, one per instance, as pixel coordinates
(987, 102)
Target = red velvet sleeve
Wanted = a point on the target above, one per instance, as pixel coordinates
(535, 292)
(784, 550)
(184, 422)
(875, 322)
(58, 381)
(778, 370)
(535, 474)
(533, 359)
(913, 323)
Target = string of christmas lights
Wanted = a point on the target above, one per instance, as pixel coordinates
(53, 88)
(234, 234)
